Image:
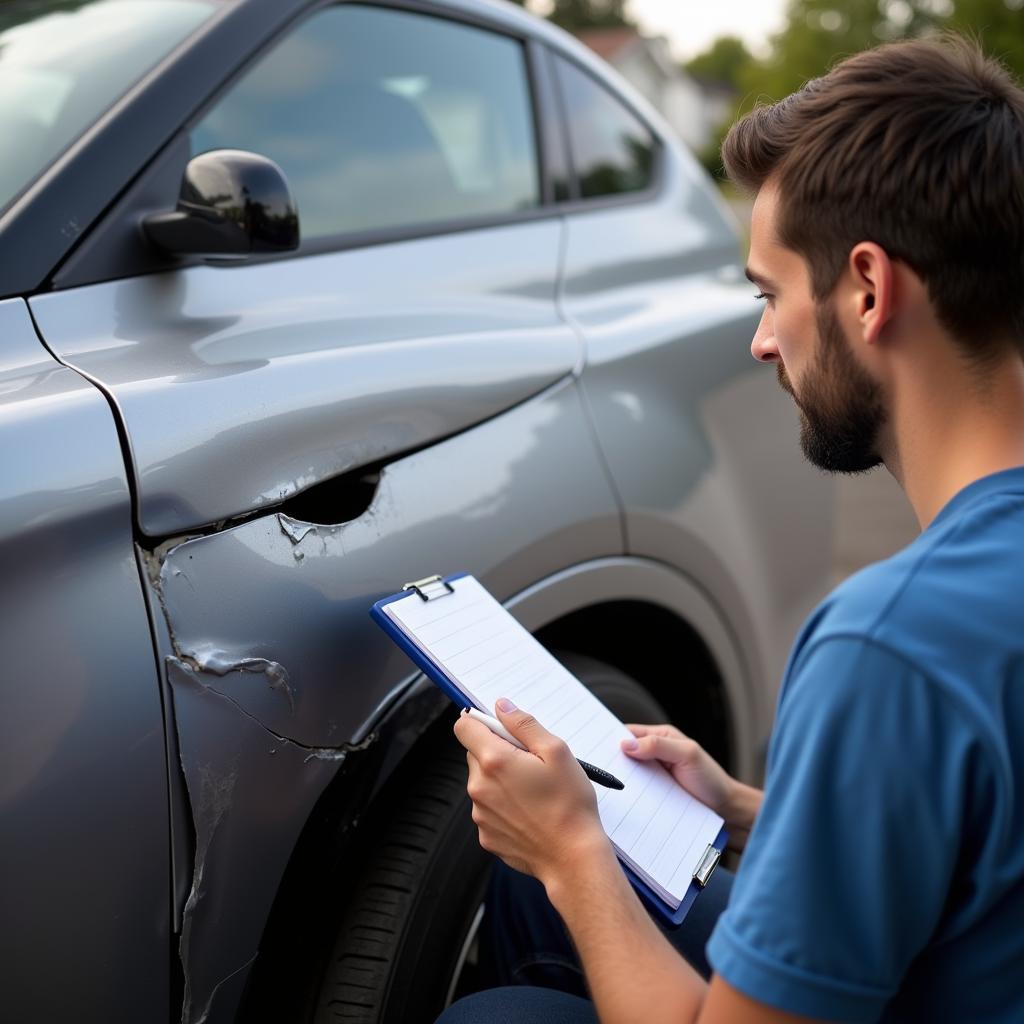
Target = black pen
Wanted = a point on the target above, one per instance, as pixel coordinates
(595, 774)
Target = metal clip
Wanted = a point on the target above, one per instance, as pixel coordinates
(420, 586)
(706, 865)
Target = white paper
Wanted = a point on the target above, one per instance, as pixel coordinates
(656, 826)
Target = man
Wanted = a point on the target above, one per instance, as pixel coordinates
(884, 874)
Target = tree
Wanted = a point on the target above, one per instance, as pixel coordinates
(998, 25)
(724, 63)
(576, 15)
(819, 33)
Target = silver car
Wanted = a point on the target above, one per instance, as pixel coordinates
(300, 301)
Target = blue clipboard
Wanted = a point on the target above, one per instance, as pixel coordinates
(435, 587)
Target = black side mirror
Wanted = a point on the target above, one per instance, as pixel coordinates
(232, 204)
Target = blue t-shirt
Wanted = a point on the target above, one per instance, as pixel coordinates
(884, 878)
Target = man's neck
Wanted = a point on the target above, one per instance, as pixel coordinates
(949, 429)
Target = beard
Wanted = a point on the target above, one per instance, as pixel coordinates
(841, 409)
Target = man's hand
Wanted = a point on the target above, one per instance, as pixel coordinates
(534, 808)
(700, 775)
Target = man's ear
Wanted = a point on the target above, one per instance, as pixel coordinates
(871, 274)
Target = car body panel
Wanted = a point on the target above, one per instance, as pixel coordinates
(278, 671)
(666, 316)
(251, 793)
(278, 376)
(83, 773)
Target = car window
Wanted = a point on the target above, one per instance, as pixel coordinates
(612, 150)
(383, 118)
(63, 64)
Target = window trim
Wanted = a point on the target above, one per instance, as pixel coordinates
(343, 241)
(554, 147)
(580, 203)
(104, 243)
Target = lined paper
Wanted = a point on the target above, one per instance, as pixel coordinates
(656, 826)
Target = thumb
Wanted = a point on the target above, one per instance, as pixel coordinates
(652, 747)
(522, 725)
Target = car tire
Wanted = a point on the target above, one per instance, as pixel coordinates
(402, 943)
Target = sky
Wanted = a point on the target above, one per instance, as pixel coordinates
(692, 25)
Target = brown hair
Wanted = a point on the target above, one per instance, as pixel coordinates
(917, 146)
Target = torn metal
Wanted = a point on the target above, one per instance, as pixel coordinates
(294, 647)
(207, 658)
(277, 673)
(251, 792)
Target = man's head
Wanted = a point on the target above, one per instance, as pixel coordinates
(896, 178)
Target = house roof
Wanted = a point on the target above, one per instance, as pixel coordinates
(608, 42)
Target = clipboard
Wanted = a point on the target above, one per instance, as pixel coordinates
(436, 588)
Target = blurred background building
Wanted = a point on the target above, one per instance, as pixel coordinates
(650, 42)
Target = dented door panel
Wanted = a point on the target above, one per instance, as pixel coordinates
(251, 793)
(241, 387)
(83, 779)
(274, 613)
(278, 672)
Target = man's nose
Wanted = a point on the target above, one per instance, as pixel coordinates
(763, 347)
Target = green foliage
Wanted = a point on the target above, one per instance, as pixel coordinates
(724, 63)
(998, 25)
(576, 15)
(818, 33)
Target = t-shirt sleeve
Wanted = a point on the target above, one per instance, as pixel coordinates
(849, 865)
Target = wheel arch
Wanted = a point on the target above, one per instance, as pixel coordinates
(635, 614)
(643, 616)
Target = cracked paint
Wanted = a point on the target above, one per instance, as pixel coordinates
(239, 600)
(299, 626)
(206, 658)
(294, 530)
(204, 1015)
(250, 790)
(209, 805)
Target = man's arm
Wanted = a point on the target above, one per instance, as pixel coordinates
(633, 971)
(537, 811)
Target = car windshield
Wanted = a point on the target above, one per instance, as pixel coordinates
(63, 64)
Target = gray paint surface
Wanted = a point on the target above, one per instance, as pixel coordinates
(241, 387)
(251, 792)
(700, 440)
(83, 784)
(275, 663)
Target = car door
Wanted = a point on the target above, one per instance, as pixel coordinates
(307, 433)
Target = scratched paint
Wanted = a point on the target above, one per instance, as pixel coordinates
(240, 613)
(251, 792)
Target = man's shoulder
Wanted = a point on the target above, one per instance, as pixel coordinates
(878, 603)
(956, 584)
(947, 608)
